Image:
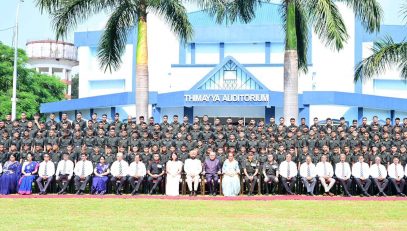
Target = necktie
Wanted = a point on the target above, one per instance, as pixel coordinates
(308, 171)
(45, 170)
(395, 171)
(120, 168)
(288, 169)
(83, 168)
(361, 169)
(343, 170)
(325, 169)
(378, 169)
(64, 168)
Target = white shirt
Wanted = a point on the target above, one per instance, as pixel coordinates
(342, 170)
(68, 165)
(192, 167)
(115, 169)
(283, 169)
(49, 166)
(324, 169)
(1, 168)
(356, 170)
(138, 169)
(79, 166)
(304, 170)
(374, 171)
(392, 171)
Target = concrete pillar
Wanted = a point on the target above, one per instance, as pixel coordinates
(49, 70)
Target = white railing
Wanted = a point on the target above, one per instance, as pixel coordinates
(52, 49)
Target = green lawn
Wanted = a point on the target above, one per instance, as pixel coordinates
(142, 214)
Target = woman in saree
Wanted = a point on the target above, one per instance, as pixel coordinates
(11, 174)
(230, 181)
(29, 171)
(99, 183)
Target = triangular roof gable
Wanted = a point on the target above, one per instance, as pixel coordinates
(215, 80)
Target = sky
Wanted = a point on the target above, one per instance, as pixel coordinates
(36, 26)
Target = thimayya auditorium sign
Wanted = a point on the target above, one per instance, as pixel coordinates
(209, 98)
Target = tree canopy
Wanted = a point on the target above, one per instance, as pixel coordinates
(33, 88)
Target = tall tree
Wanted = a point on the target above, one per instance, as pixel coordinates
(33, 88)
(386, 53)
(124, 15)
(299, 16)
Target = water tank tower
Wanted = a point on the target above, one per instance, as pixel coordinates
(53, 58)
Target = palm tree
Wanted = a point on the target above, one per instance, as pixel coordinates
(124, 15)
(298, 17)
(385, 53)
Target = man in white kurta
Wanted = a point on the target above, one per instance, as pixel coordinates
(193, 168)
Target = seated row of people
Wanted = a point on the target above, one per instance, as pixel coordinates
(17, 178)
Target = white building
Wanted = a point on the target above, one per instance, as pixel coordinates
(239, 60)
(53, 58)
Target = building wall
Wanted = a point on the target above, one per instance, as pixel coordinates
(170, 112)
(332, 111)
(334, 70)
(386, 84)
(95, 81)
(369, 113)
(252, 112)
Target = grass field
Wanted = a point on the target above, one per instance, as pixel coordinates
(150, 214)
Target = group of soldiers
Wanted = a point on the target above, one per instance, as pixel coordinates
(267, 153)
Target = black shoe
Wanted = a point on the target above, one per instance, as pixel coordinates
(311, 194)
(402, 194)
(78, 192)
(195, 194)
(63, 193)
(249, 194)
(191, 193)
(378, 194)
(214, 194)
(133, 192)
(384, 194)
(150, 192)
